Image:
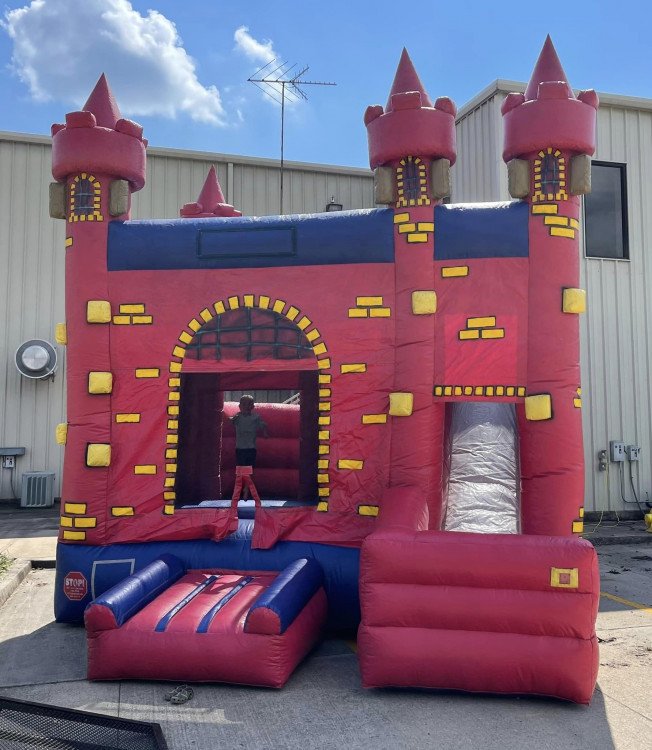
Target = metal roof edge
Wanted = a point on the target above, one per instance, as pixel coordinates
(503, 86)
(174, 153)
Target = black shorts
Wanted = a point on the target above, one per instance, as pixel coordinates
(245, 456)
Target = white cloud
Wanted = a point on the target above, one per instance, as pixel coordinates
(60, 47)
(262, 52)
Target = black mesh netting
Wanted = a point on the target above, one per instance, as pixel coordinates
(35, 725)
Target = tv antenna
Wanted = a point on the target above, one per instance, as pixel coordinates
(281, 83)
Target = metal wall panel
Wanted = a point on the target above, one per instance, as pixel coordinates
(476, 175)
(32, 260)
(616, 348)
(31, 303)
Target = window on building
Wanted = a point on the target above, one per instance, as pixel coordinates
(605, 212)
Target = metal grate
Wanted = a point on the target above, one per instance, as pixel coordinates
(37, 490)
(35, 725)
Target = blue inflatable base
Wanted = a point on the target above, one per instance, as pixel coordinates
(103, 567)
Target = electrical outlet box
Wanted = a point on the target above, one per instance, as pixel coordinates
(9, 462)
(617, 450)
(602, 460)
(634, 452)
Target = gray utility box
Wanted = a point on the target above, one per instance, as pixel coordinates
(37, 490)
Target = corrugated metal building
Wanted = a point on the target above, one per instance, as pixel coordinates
(616, 346)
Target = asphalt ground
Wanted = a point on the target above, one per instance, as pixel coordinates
(324, 704)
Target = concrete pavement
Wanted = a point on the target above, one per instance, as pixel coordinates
(324, 705)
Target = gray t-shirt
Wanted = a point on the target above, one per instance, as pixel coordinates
(246, 429)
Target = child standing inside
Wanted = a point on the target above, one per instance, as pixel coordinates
(247, 425)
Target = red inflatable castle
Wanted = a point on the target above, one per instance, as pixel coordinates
(433, 350)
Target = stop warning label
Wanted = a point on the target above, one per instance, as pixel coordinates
(75, 586)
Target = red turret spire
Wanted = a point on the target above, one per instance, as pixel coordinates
(211, 201)
(407, 79)
(103, 105)
(549, 114)
(547, 68)
(410, 125)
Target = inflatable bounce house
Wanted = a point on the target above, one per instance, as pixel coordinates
(425, 481)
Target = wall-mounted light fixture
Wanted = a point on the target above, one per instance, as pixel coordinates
(332, 205)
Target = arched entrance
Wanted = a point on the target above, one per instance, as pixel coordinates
(252, 343)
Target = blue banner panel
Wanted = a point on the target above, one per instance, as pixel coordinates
(365, 236)
(481, 230)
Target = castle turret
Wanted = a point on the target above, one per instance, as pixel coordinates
(98, 160)
(410, 124)
(549, 137)
(411, 149)
(211, 202)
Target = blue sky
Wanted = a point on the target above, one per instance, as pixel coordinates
(180, 68)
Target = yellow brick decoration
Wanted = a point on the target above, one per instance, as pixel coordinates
(148, 372)
(493, 333)
(454, 272)
(85, 523)
(368, 510)
(369, 307)
(132, 314)
(98, 311)
(322, 506)
(61, 433)
(350, 463)
(548, 209)
(538, 408)
(100, 382)
(561, 232)
(168, 510)
(483, 327)
(353, 368)
(98, 455)
(424, 302)
(74, 536)
(556, 221)
(564, 578)
(369, 301)
(61, 334)
(122, 510)
(578, 527)
(486, 391)
(74, 509)
(145, 469)
(374, 418)
(487, 322)
(69, 241)
(417, 237)
(401, 404)
(63, 521)
(577, 401)
(573, 301)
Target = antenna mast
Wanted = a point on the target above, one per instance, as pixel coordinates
(280, 83)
